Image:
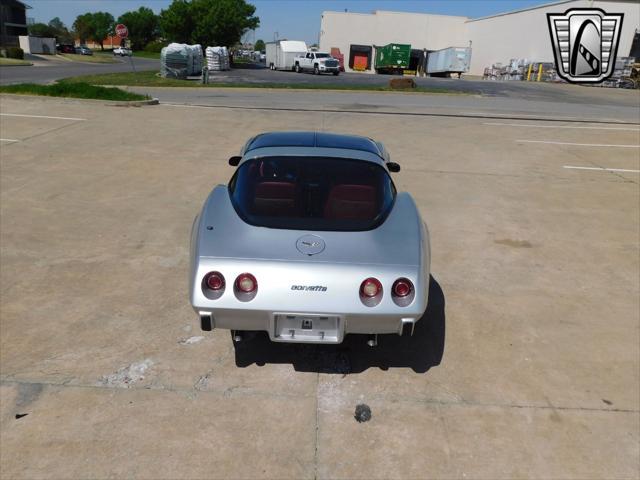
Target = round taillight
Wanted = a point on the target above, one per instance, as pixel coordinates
(214, 281)
(402, 287)
(246, 283)
(371, 287)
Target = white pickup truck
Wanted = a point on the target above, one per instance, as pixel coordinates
(317, 62)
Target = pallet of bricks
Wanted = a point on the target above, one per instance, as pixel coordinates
(514, 70)
(542, 72)
(622, 76)
(522, 69)
(494, 72)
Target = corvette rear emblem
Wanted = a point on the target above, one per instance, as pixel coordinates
(309, 288)
(585, 43)
(310, 244)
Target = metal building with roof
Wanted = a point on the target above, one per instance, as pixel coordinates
(497, 38)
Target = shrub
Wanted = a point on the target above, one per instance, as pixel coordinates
(155, 46)
(402, 83)
(15, 52)
(73, 90)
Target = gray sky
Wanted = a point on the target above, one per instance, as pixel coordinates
(295, 19)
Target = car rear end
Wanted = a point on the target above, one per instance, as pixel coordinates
(308, 301)
(357, 261)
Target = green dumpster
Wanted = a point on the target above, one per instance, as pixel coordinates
(392, 58)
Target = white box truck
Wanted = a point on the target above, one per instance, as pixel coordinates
(282, 53)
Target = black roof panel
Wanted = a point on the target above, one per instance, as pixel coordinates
(313, 139)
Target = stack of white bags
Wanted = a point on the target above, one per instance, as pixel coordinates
(178, 60)
(217, 58)
(196, 59)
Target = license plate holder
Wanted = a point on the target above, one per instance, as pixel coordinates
(307, 328)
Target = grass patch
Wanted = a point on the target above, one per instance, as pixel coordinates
(14, 61)
(72, 90)
(96, 58)
(152, 79)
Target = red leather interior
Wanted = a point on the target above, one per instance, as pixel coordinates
(275, 199)
(355, 202)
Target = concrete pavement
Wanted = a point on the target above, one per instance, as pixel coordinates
(556, 102)
(538, 266)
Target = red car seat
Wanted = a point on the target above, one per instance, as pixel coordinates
(354, 202)
(275, 199)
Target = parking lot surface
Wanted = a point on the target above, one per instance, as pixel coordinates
(535, 261)
(48, 69)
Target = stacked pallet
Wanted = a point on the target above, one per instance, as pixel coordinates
(178, 60)
(522, 69)
(622, 73)
(195, 61)
(174, 59)
(217, 58)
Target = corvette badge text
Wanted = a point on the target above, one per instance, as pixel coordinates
(309, 288)
(585, 43)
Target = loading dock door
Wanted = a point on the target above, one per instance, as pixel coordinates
(360, 57)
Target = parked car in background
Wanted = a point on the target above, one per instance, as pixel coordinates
(317, 62)
(310, 241)
(65, 48)
(122, 51)
(84, 50)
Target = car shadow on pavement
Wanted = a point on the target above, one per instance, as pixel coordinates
(419, 352)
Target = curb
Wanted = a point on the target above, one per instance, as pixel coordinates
(86, 101)
(135, 103)
(17, 65)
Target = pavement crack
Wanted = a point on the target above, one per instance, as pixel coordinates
(235, 390)
(225, 392)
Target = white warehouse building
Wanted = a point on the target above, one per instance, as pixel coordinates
(497, 38)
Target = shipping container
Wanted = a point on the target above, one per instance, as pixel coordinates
(280, 55)
(449, 60)
(392, 58)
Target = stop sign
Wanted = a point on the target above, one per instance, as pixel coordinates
(122, 31)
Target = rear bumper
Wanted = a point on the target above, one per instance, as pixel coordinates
(323, 328)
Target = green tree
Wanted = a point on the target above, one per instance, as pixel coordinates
(208, 22)
(142, 25)
(62, 33)
(102, 26)
(41, 30)
(176, 22)
(83, 26)
(94, 26)
(259, 46)
(57, 24)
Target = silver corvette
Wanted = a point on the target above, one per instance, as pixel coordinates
(309, 242)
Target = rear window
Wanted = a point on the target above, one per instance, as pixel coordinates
(312, 193)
